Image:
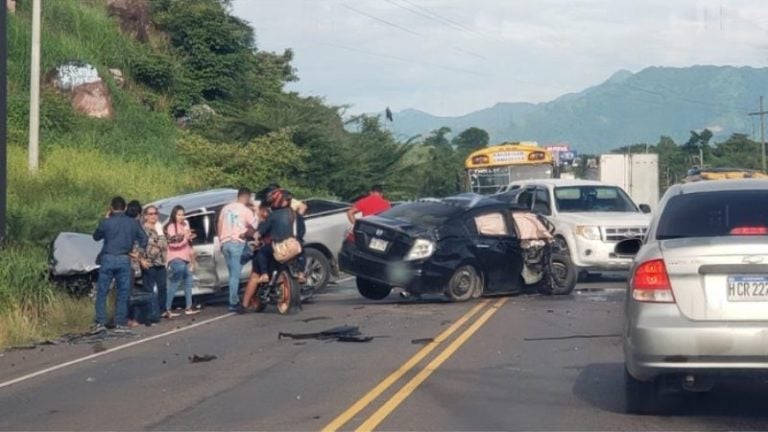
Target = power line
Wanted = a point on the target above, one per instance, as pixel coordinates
(451, 22)
(428, 15)
(472, 53)
(439, 21)
(383, 21)
(405, 60)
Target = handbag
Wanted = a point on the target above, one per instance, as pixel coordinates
(288, 249)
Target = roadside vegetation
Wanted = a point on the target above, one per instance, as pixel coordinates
(200, 106)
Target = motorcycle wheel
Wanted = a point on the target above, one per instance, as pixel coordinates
(288, 294)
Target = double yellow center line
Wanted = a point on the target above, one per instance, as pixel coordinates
(390, 405)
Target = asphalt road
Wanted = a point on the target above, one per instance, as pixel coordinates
(506, 363)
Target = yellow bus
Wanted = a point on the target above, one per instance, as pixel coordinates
(490, 168)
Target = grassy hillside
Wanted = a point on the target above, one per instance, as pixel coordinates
(83, 161)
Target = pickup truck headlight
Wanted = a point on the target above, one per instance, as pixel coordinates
(589, 232)
(421, 249)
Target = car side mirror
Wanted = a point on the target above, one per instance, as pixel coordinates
(628, 248)
(645, 208)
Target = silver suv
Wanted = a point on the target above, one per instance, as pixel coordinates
(697, 305)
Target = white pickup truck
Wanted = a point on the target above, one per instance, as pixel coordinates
(590, 218)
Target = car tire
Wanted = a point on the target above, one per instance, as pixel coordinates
(463, 284)
(318, 271)
(564, 275)
(641, 397)
(373, 290)
(561, 279)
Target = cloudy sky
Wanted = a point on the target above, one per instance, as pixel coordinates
(450, 57)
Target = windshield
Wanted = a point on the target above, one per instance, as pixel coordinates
(428, 215)
(490, 180)
(572, 199)
(714, 214)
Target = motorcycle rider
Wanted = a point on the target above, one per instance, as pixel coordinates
(278, 226)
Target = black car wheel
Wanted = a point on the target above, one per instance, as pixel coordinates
(463, 284)
(372, 290)
(318, 270)
(561, 277)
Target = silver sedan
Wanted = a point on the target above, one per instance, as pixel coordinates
(697, 305)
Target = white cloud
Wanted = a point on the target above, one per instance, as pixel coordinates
(469, 55)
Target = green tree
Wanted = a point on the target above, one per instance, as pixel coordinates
(738, 151)
(470, 140)
(441, 167)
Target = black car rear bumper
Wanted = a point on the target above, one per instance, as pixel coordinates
(417, 277)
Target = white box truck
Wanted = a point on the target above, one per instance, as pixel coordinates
(637, 174)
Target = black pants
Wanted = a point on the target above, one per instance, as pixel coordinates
(157, 275)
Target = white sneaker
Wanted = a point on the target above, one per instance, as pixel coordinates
(191, 311)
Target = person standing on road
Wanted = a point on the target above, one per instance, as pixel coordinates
(235, 225)
(374, 203)
(180, 260)
(154, 259)
(119, 233)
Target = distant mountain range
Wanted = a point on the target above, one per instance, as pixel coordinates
(628, 108)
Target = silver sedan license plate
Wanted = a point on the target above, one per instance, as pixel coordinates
(378, 244)
(748, 288)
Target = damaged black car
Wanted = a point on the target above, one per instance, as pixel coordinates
(463, 247)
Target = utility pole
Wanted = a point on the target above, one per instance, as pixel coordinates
(34, 90)
(3, 116)
(762, 114)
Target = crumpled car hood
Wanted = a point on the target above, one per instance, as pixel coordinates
(74, 253)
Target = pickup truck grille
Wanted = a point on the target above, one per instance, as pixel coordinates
(623, 233)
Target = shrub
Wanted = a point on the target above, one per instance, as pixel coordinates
(154, 71)
(272, 157)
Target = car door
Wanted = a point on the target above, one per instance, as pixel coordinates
(497, 250)
(204, 245)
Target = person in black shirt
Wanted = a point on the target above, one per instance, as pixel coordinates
(119, 233)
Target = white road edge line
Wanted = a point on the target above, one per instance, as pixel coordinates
(346, 279)
(111, 350)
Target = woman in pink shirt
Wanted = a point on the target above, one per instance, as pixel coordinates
(180, 260)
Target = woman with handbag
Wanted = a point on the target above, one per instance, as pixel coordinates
(280, 228)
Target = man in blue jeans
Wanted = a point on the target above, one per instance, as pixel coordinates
(119, 233)
(234, 228)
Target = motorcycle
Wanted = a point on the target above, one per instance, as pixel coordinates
(282, 290)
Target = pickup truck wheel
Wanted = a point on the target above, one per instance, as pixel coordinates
(372, 290)
(318, 271)
(463, 284)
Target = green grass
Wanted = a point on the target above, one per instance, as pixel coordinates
(83, 161)
(81, 30)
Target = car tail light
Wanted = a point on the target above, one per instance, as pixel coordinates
(350, 237)
(749, 230)
(650, 283)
